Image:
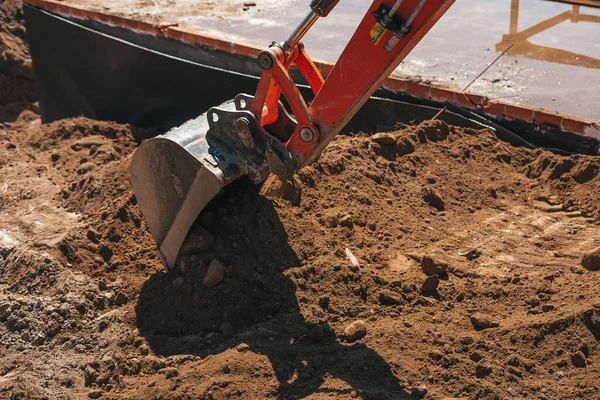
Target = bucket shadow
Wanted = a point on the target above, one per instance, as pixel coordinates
(259, 301)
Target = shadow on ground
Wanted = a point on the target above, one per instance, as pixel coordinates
(259, 301)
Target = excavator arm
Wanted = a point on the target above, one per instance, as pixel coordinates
(175, 175)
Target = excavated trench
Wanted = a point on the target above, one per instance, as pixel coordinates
(433, 261)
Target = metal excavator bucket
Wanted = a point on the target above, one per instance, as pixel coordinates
(174, 176)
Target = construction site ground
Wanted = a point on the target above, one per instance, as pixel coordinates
(329, 297)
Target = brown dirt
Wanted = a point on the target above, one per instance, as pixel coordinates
(17, 90)
(87, 311)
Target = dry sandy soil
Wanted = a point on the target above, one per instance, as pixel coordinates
(87, 310)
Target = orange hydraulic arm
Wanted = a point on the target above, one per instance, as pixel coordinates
(385, 36)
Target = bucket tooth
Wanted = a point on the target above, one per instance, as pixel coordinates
(174, 176)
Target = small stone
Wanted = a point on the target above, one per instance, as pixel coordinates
(431, 197)
(436, 355)
(185, 264)
(86, 167)
(93, 235)
(317, 333)
(475, 356)
(346, 221)
(390, 297)
(178, 282)
(419, 392)
(472, 254)
(109, 296)
(120, 299)
(431, 178)
(430, 284)
(513, 361)
(548, 307)
(198, 240)
(384, 139)
(482, 369)
(482, 321)
(94, 394)
(355, 331)
(227, 330)
(578, 359)
(591, 260)
(432, 267)
(169, 372)
(242, 347)
(215, 273)
(102, 325)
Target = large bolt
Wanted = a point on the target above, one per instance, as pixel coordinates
(265, 60)
(244, 131)
(307, 135)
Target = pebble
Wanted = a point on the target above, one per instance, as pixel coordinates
(197, 241)
(94, 394)
(169, 372)
(432, 267)
(86, 167)
(430, 284)
(215, 273)
(482, 369)
(384, 139)
(578, 359)
(482, 321)
(355, 331)
(419, 392)
(317, 333)
(120, 299)
(227, 330)
(346, 221)
(390, 297)
(178, 282)
(591, 260)
(431, 197)
(93, 235)
(475, 356)
(242, 347)
(472, 254)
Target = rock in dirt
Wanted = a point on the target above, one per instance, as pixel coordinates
(482, 321)
(472, 254)
(215, 273)
(431, 197)
(355, 331)
(482, 369)
(419, 392)
(432, 267)
(93, 235)
(169, 372)
(226, 329)
(197, 241)
(86, 167)
(384, 139)
(430, 284)
(578, 359)
(591, 260)
(390, 297)
(94, 394)
(120, 299)
(317, 333)
(346, 221)
(178, 282)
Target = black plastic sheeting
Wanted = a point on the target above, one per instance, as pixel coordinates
(84, 67)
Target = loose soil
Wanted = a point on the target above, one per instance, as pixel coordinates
(328, 298)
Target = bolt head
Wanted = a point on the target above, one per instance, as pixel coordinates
(306, 135)
(265, 61)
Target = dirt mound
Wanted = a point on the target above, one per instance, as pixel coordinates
(17, 90)
(329, 297)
